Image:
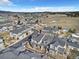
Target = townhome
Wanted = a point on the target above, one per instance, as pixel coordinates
(20, 32)
(1, 44)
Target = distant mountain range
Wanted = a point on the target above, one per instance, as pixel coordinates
(71, 13)
(38, 12)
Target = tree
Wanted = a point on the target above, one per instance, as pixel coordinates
(72, 30)
(36, 21)
(59, 27)
(18, 23)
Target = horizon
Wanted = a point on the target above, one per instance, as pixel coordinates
(39, 5)
(38, 11)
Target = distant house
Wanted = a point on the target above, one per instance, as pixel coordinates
(20, 32)
(6, 27)
(73, 43)
(47, 29)
(61, 50)
(36, 37)
(1, 44)
(75, 35)
(57, 45)
(50, 29)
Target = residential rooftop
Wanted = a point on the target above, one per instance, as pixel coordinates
(18, 30)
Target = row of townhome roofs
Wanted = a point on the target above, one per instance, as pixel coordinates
(43, 39)
(53, 41)
(18, 31)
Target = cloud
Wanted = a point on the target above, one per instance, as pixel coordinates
(41, 9)
(52, 9)
(5, 2)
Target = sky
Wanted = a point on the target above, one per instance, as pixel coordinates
(39, 5)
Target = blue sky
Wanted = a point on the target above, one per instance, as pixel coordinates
(39, 5)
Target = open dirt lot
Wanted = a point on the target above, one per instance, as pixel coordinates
(64, 21)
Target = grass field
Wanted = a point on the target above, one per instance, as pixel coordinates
(64, 21)
(73, 54)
